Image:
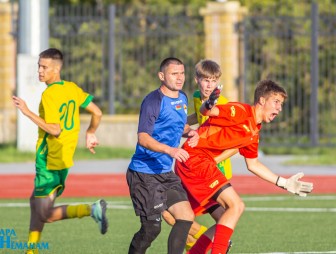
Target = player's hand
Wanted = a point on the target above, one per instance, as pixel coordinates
(179, 154)
(193, 138)
(213, 97)
(295, 186)
(20, 104)
(91, 142)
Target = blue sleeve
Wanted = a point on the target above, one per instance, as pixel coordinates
(149, 112)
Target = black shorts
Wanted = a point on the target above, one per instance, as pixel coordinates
(149, 192)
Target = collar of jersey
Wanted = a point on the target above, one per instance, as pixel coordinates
(57, 83)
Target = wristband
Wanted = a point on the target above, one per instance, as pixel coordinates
(281, 182)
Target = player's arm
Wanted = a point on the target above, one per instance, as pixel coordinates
(53, 129)
(191, 134)
(291, 184)
(192, 119)
(225, 155)
(147, 141)
(96, 115)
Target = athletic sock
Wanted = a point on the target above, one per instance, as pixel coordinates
(33, 238)
(202, 245)
(221, 239)
(78, 211)
(200, 232)
(178, 236)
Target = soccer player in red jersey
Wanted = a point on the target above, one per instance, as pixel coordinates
(233, 125)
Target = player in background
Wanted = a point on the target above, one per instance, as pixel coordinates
(58, 128)
(207, 74)
(231, 126)
(153, 185)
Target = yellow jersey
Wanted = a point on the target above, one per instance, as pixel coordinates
(60, 104)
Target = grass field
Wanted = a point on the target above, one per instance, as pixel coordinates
(270, 224)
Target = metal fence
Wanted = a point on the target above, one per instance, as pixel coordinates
(298, 52)
(114, 52)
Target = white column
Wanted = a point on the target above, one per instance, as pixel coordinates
(32, 39)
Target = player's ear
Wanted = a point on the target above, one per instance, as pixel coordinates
(262, 101)
(161, 75)
(196, 79)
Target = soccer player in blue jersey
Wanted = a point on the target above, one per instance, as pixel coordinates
(153, 185)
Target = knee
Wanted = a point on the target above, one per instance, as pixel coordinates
(149, 231)
(144, 237)
(45, 216)
(239, 207)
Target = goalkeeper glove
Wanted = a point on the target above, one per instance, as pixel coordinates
(213, 97)
(295, 186)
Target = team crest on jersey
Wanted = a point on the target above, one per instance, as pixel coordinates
(233, 111)
(185, 107)
(178, 107)
(212, 185)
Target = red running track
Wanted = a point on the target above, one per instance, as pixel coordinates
(105, 185)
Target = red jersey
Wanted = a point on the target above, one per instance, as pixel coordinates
(234, 127)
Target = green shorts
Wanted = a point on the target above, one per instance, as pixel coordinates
(48, 181)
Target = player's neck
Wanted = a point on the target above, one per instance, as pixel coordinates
(169, 93)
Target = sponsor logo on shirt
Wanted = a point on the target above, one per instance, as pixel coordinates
(214, 184)
(176, 102)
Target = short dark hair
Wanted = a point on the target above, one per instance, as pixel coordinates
(52, 53)
(267, 87)
(169, 60)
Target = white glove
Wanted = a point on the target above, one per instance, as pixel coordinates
(295, 186)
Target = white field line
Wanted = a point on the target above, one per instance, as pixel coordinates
(128, 204)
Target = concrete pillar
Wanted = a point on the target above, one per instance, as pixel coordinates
(222, 42)
(7, 73)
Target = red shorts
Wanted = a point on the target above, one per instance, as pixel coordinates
(201, 179)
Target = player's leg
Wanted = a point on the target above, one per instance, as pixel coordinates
(204, 243)
(148, 232)
(195, 231)
(234, 206)
(181, 210)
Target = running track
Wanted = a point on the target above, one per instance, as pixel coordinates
(105, 185)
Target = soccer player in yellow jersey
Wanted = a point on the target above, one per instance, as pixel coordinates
(58, 128)
(207, 74)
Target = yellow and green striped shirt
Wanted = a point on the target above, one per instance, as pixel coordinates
(60, 104)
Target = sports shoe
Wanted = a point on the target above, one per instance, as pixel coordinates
(229, 247)
(98, 213)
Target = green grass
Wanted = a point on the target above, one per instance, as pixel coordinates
(10, 154)
(259, 230)
(303, 156)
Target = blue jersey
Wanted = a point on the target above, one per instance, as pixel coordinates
(164, 119)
